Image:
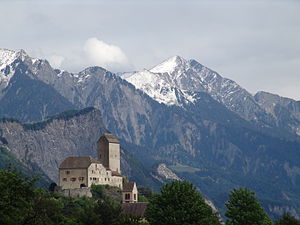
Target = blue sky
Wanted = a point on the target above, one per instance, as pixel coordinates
(255, 43)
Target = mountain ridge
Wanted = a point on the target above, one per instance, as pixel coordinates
(228, 149)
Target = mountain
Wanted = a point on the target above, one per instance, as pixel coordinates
(203, 127)
(22, 96)
(184, 76)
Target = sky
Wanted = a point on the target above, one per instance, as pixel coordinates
(253, 42)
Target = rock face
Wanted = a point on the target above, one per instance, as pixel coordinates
(285, 110)
(48, 143)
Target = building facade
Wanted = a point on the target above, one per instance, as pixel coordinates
(83, 171)
(79, 172)
(130, 193)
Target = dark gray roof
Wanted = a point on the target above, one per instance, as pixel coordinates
(82, 162)
(128, 186)
(110, 138)
(136, 209)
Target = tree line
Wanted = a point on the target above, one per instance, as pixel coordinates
(178, 203)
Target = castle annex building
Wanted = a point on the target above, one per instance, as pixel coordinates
(79, 172)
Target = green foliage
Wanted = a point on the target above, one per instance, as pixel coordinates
(180, 204)
(109, 210)
(142, 198)
(97, 191)
(144, 191)
(287, 219)
(9, 161)
(244, 209)
(15, 197)
(129, 220)
(66, 115)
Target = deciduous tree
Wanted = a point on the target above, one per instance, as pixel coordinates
(244, 209)
(180, 204)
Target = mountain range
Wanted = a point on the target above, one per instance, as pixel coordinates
(202, 126)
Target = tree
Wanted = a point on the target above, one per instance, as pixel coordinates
(180, 204)
(287, 219)
(16, 196)
(244, 209)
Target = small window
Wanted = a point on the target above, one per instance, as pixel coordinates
(127, 196)
(67, 172)
(64, 179)
(91, 178)
(80, 178)
(73, 179)
(134, 196)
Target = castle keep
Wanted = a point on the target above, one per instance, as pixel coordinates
(80, 172)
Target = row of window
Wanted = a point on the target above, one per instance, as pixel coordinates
(97, 179)
(74, 179)
(68, 172)
(82, 179)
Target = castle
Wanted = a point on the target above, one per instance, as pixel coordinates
(80, 172)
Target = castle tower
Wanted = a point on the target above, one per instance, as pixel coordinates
(108, 148)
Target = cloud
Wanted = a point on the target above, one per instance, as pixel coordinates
(99, 53)
(55, 60)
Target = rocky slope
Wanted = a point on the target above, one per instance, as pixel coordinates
(72, 133)
(285, 110)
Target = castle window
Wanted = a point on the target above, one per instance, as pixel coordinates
(73, 179)
(80, 178)
(94, 178)
(134, 196)
(105, 179)
(127, 196)
(91, 178)
(108, 179)
(64, 179)
(67, 172)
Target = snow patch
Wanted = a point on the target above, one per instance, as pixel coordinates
(169, 65)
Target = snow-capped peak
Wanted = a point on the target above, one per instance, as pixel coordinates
(7, 66)
(169, 65)
(7, 57)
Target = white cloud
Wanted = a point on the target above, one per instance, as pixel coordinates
(55, 60)
(106, 55)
